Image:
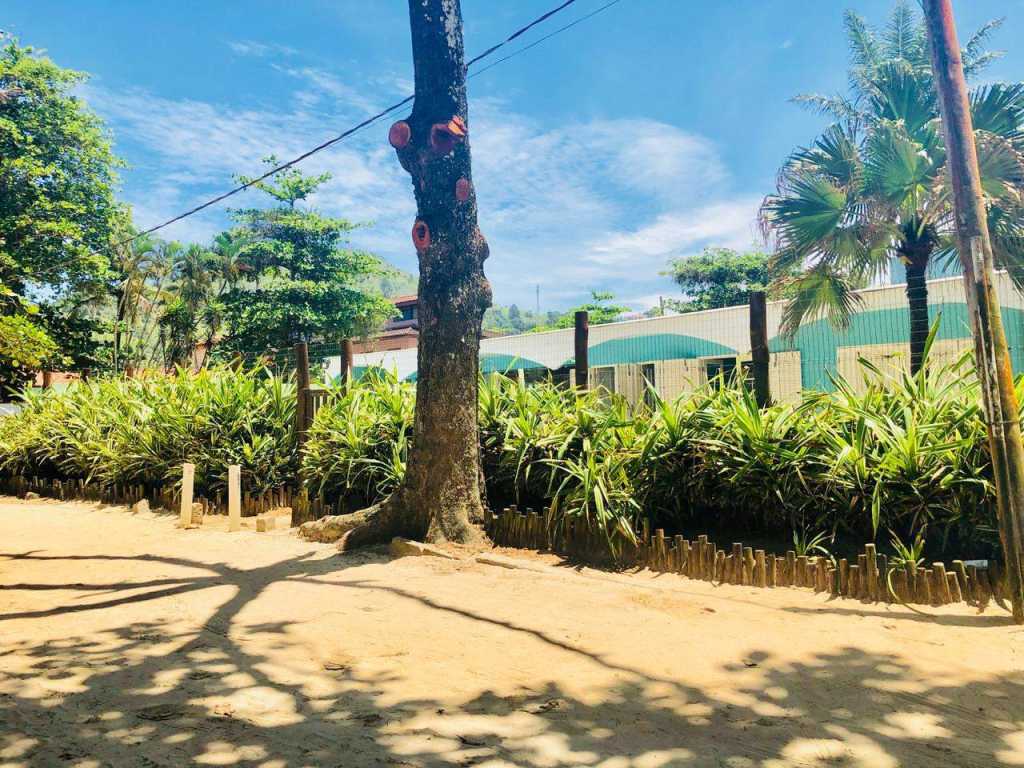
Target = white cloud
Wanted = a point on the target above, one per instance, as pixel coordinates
(253, 48)
(598, 204)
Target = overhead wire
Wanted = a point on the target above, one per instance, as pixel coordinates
(383, 113)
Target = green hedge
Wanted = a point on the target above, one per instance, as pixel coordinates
(132, 431)
(908, 456)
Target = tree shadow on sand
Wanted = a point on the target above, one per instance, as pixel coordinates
(153, 694)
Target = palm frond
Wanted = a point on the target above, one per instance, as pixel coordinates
(999, 109)
(974, 55)
(819, 293)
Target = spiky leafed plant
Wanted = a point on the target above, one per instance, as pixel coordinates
(875, 186)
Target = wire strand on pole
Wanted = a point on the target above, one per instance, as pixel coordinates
(374, 118)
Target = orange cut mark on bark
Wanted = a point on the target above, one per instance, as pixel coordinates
(421, 235)
(399, 134)
(457, 126)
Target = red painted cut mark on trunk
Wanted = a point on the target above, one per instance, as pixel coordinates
(441, 140)
(421, 235)
(457, 126)
(462, 190)
(399, 134)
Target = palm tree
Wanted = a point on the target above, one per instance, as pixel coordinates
(190, 292)
(226, 270)
(874, 186)
(134, 264)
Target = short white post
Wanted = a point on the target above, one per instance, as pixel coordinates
(188, 474)
(234, 498)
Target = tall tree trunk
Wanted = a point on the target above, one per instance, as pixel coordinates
(917, 298)
(441, 497)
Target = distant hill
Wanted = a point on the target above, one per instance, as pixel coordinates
(394, 282)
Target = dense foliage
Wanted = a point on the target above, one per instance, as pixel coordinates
(908, 456)
(300, 282)
(599, 310)
(719, 277)
(141, 431)
(24, 348)
(57, 207)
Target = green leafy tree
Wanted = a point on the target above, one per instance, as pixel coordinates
(719, 277)
(599, 309)
(512, 319)
(57, 207)
(24, 349)
(297, 279)
(874, 186)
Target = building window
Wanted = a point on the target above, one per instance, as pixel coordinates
(650, 385)
(602, 378)
(719, 371)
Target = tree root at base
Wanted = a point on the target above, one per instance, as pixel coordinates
(380, 523)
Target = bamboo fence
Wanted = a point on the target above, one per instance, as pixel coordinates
(869, 576)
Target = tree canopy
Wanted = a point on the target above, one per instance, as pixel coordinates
(599, 309)
(299, 279)
(57, 206)
(874, 186)
(719, 277)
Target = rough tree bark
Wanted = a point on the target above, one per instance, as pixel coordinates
(917, 298)
(441, 497)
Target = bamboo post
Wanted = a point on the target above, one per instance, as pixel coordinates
(581, 341)
(759, 347)
(188, 473)
(234, 498)
(871, 573)
(953, 586)
(924, 582)
(992, 357)
(748, 566)
(961, 577)
(942, 583)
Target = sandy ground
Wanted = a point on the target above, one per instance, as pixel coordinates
(127, 642)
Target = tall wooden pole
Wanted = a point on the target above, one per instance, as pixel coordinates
(301, 392)
(346, 360)
(581, 337)
(991, 354)
(759, 347)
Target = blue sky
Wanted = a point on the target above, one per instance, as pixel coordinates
(646, 133)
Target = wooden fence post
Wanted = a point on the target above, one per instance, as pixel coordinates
(188, 474)
(346, 360)
(234, 498)
(759, 347)
(301, 392)
(581, 336)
